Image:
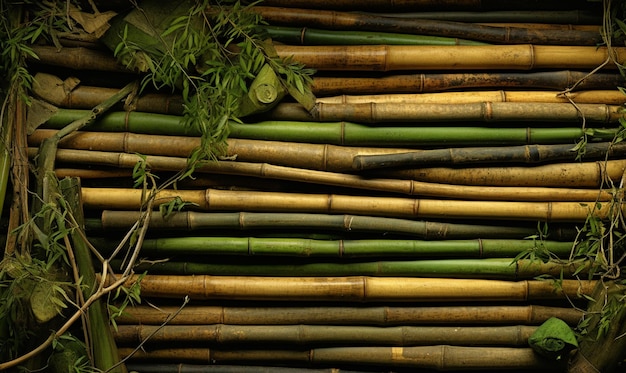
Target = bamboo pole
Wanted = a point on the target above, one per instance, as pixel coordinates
(356, 289)
(326, 19)
(399, 186)
(466, 57)
(223, 200)
(344, 248)
(494, 268)
(195, 368)
(421, 357)
(194, 221)
(221, 335)
(544, 18)
(341, 315)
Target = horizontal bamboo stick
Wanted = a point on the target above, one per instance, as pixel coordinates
(337, 315)
(356, 289)
(465, 57)
(345, 248)
(438, 82)
(268, 171)
(451, 112)
(543, 18)
(326, 335)
(609, 97)
(495, 268)
(325, 19)
(212, 368)
(194, 221)
(421, 357)
(223, 200)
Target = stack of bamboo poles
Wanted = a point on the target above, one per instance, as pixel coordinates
(379, 231)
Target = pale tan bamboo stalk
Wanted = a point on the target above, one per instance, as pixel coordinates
(224, 200)
(356, 288)
(584, 174)
(609, 97)
(336, 335)
(408, 187)
(489, 57)
(441, 357)
(381, 316)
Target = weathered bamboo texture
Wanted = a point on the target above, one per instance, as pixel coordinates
(224, 200)
(356, 289)
(589, 19)
(464, 57)
(433, 82)
(222, 335)
(609, 97)
(429, 230)
(400, 186)
(341, 315)
(344, 248)
(451, 112)
(325, 19)
(147, 367)
(440, 357)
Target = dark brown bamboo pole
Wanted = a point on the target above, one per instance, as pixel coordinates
(438, 82)
(585, 18)
(223, 200)
(380, 316)
(334, 335)
(356, 288)
(326, 19)
(441, 357)
(407, 187)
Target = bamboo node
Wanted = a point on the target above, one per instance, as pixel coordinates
(531, 54)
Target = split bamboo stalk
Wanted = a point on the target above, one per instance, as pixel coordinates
(326, 19)
(441, 357)
(341, 133)
(344, 248)
(494, 268)
(584, 174)
(194, 221)
(609, 97)
(223, 200)
(465, 57)
(433, 82)
(338, 315)
(221, 335)
(451, 112)
(398, 186)
(356, 289)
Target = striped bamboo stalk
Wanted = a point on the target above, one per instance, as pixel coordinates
(357, 289)
(609, 97)
(585, 174)
(224, 200)
(326, 19)
(421, 357)
(466, 57)
(194, 221)
(451, 112)
(399, 186)
(495, 268)
(341, 315)
(341, 133)
(438, 82)
(326, 335)
(345, 248)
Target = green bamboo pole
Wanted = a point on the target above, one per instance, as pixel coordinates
(346, 248)
(267, 171)
(223, 200)
(221, 335)
(383, 315)
(194, 221)
(356, 289)
(340, 133)
(326, 19)
(309, 36)
(421, 357)
(495, 268)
